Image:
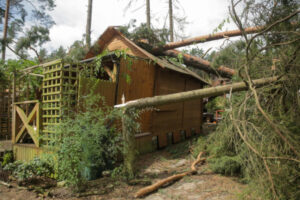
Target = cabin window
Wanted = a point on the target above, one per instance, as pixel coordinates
(108, 71)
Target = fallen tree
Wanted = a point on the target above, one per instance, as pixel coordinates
(206, 38)
(200, 63)
(194, 94)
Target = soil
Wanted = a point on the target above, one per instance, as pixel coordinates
(205, 185)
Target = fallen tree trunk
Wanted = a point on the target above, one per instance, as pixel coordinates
(200, 63)
(206, 38)
(146, 190)
(194, 94)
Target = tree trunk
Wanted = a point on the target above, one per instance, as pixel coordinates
(200, 63)
(148, 14)
(206, 38)
(88, 24)
(194, 94)
(171, 21)
(5, 29)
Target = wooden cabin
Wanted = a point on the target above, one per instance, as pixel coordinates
(152, 76)
(143, 75)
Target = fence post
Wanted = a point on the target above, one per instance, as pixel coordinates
(129, 143)
(13, 109)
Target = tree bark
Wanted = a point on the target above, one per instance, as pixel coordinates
(88, 24)
(171, 21)
(5, 29)
(194, 94)
(148, 14)
(200, 63)
(206, 38)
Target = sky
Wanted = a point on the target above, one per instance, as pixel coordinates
(203, 17)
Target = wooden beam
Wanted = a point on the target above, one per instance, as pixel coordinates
(41, 65)
(32, 114)
(26, 121)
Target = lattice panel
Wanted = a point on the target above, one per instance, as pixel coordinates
(59, 95)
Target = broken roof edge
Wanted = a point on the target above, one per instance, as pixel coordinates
(110, 33)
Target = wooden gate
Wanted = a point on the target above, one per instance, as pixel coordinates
(26, 121)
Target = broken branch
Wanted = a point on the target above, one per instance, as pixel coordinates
(146, 190)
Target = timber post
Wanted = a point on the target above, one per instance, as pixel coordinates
(13, 99)
(129, 143)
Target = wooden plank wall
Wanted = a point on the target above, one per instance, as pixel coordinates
(178, 119)
(5, 120)
(104, 88)
(26, 152)
(139, 85)
(192, 110)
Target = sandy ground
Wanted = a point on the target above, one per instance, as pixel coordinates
(152, 168)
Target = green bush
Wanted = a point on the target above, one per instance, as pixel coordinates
(7, 158)
(36, 167)
(87, 142)
(227, 165)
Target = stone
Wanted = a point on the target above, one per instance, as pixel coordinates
(193, 197)
(180, 163)
(106, 173)
(187, 186)
(61, 183)
(155, 197)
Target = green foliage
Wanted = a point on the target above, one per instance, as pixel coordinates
(77, 52)
(227, 165)
(87, 140)
(217, 103)
(60, 53)
(154, 37)
(229, 55)
(25, 170)
(34, 37)
(7, 158)
(29, 24)
(25, 82)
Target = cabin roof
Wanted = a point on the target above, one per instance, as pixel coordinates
(111, 32)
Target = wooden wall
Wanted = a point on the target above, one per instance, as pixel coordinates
(26, 152)
(178, 119)
(103, 88)
(137, 81)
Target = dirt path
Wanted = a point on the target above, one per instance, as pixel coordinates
(153, 167)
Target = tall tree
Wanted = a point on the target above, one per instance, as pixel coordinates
(148, 14)
(171, 26)
(175, 11)
(28, 26)
(5, 29)
(88, 24)
(148, 11)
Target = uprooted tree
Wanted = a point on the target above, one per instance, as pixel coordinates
(259, 137)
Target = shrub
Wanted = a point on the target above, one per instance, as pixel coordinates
(7, 158)
(36, 167)
(87, 142)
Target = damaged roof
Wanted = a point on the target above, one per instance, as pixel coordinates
(111, 32)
